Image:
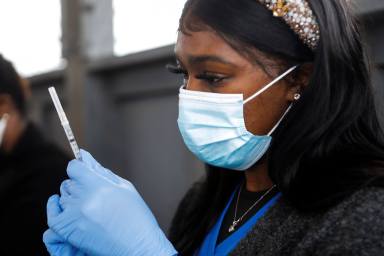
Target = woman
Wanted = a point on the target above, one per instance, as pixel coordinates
(277, 101)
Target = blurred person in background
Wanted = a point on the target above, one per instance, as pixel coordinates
(277, 101)
(31, 169)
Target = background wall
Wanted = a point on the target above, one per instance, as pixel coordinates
(130, 124)
(128, 112)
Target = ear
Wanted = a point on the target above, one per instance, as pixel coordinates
(300, 81)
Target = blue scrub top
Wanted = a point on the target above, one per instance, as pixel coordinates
(209, 247)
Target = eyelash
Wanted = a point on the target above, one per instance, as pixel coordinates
(210, 79)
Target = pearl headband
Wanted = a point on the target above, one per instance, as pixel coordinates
(300, 18)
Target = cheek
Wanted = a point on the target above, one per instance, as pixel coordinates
(262, 113)
(255, 116)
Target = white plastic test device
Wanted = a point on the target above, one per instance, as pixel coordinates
(64, 122)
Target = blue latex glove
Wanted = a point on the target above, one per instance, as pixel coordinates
(55, 244)
(103, 214)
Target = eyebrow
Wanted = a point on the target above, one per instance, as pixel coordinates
(198, 59)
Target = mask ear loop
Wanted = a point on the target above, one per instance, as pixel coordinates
(270, 84)
(281, 119)
(274, 81)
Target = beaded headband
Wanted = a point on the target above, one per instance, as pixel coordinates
(300, 18)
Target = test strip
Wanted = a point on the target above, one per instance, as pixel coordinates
(64, 122)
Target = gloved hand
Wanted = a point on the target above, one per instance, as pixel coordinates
(103, 214)
(55, 244)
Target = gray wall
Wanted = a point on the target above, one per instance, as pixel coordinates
(131, 112)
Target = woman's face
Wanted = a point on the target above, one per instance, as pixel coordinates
(212, 65)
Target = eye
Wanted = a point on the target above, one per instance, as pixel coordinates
(177, 70)
(211, 79)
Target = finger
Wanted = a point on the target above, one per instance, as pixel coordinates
(53, 210)
(53, 207)
(50, 237)
(56, 245)
(66, 202)
(59, 221)
(70, 189)
(65, 188)
(52, 241)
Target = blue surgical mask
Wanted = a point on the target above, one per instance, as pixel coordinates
(213, 128)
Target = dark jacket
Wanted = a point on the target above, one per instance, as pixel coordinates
(354, 226)
(28, 176)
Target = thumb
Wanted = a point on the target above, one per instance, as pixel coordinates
(88, 159)
(91, 163)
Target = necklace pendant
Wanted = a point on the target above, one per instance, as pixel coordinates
(232, 227)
